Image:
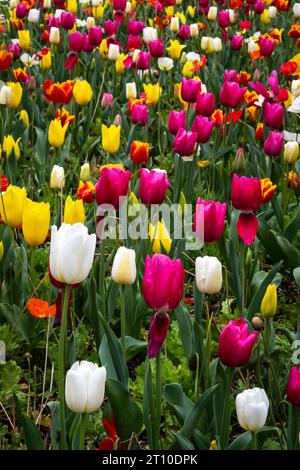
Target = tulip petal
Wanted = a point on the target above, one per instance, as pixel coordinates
(247, 227)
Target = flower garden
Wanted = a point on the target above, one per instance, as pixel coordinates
(149, 225)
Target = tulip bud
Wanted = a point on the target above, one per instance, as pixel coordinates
(85, 172)
(54, 37)
(47, 4)
(174, 24)
(268, 305)
(272, 12)
(57, 178)
(239, 160)
(128, 8)
(51, 110)
(149, 34)
(118, 120)
(113, 51)
(252, 407)
(124, 267)
(291, 152)
(131, 90)
(212, 13)
(293, 386)
(90, 22)
(296, 10)
(5, 95)
(194, 30)
(33, 15)
(208, 274)
(257, 323)
(85, 386)
(217, 44)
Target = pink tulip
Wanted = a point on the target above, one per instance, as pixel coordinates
(112, 184)
(139, 114)
(76, 41)
(133, 42)
(156, 48)
(107, 100)
(153, 186)
(21, 10)
(223, 19)
(246, 193)
(184, 32)
(259, 7)
(190, 89)
(71, 61)
(266, 46)
(176, 120)
(293, 386)
(273, 143)
(209, 220)
(67, 20)
(231, 94)
(236, 344)
(87, 46)
(135, 27)
(273, 114)
(110, 28)
(231, 76)
(95, 35)
(119, 5)
(143, 61)
(203, 127)
(15, 49)
(157, 333)
(236, 42)
(184, 143)
(205, 104)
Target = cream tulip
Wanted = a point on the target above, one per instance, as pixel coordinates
(124, 267)
(131, 90)
(291, 152)
(149, 34)
(208, 274)
(296, 10)
(57, 178)
(252, 407)
(212, 13)
(113, 51)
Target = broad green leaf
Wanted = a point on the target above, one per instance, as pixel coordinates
(32, 435)
(241, 442)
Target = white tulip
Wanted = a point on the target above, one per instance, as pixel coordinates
(28, 60)
(54, 37)
(252, 408)
(135, 55)
(13, 4)
(208, 274)
(128, 8)
(58, 13)
(194, 30)
(124, 268)
(204, 42)
(272, 12)
(96, 3)
(231, 15)
(90, 22)
(296, 10)
(85, 386)
(85, 172)
(252, 47)
(113, 52)
(212, 13)
(174, 24)
(149, 34)
(5, 95)
(72, 252)
(192, 56)
(295, 106)
(165, 63)
(217, 44)
(291, 152)
(47, 4)
(295, 87)
(131, 90)
(57, 178)
(33, 15)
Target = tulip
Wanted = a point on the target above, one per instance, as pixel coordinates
(184, 142)
(124, 267)
(208, 274)
(95, 35)
(10, 145)
(15, 96)
(266, 46)
(57, 179)
(273, 114)
(153, 186)
(163, 282)
(139, 152)
(33, 15)
(35, 223)
(82, 92)
(184, 32)
(56, 133)
(67, 20)
(209, 220)
(156, 48)
(223, 19)
(217, 44)
(236, 42)
(21, 10)
(291, 152)
(149, 34)
(1, 250)
(12, 203)
(110, 28)
(5, 95)
(259, 7)
(153, 92)
(212, 13)
(231, 94)
(272, 12)
(139, 114)
(54, 36)
(76, 41)
(143, 61)
(107, 101)
(46, 61)
(91, 23)
(293, 386)
(113, 52)
(273, 143)
(112, 185)
(131, 90)
(24, 38)
(174, 24)
(160, 237)
(165, 63)
(85, 386)
(134, 43)
(176, 121)
(190, 89)
(74, 211)
(119, 5)
(71, 253)
(246, 193)
(268, 305)
(175, 49)
(194, 30)
(252, 407)
(24, 118)
(296, 10)
(203, 127)
(205, 104)
(268, 189)
(85, 172)
(236, 344)
(111, 138)
(135, 27)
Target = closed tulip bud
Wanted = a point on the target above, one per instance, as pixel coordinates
(217, 44)
(190, 89)
(208, 274)
(11, 145)
(112, 186)
(149, 34)
(46, 61)
(85, 387)
(296, 10)
(274, 143)
(56, 133)
(174, 24)
(118, 120)
(223, 19)
(12, 203)
(268, 305)
(176, 121)
(131, 90)
(35, 223)
(113, 51)
(205, 105)
(90, 23)
(5, 95)
(85, 172)
(204, 42)
(160, 238)
(272, 12)
(185, 142)
(153, 186)
(74, 211)
(72, 252)
(246, 194)
(111, 138)
(194, 30)
(33, 15)
(139, 152)
(124, 267)
(54, 37)
(47, 4)
(273, 114)
(139, 114)
(24, 117)
(252, 407)
(212, 13)
(128, 8)
(293, 386)
(291, 152)
(24, 38)
(239, 163)
(16, 94)
(231, 94)
(236, 344)
(57, 178)
(82, 92)
(209, 220)
(203, 127)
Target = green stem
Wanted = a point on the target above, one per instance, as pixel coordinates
(158, 400)
(61, 367)
(123, 318)
(83, 423)
(254, 441)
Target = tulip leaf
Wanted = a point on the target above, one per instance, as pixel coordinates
(177, 399)
(23, 323)
(186, 329)
(133, 347)
(293, 428)
(181, 443)
(32, 435)
(127, 414)
(148, 405)
(293, 227)
(235, 274)
(55, 423)
(296, 273)
(241, 442)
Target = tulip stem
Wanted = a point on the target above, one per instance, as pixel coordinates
(61, 367)
(254, 441)
(123, 324)
(83, 423)
(158, 400)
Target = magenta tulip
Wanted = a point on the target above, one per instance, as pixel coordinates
(273, 114)
(21, 10)
(203, 127)
(156, 48)
(259, 7)
(176, 120)
(293, 386)
(112, 184)
(223, 19)
(231, 94)
(246, 193)
(231, 76)
(87, 46)
(190, 89)
(184, 32)
(205, 104)
(139, 114)
(110, 28)
(135, 27)
(266, 46)
(209, 220)
(274, 143)
(119, 5)
(95, 35)
(67, 20)
(236, 42)
(236, 344)
(143, 61)
(76, 41)
(184, 142)
(153, 186)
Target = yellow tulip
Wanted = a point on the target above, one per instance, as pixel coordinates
(24, 38)
(181, 16)
(160, 237)
(265, 17)
(169, 11)
(12, 205)
(111, 138)
(1, 250)
(175, 49)
(56, 133)
(112, 165)
(103, 49)
(120, 67)
(74, 211)
(188, 69)
(16, 94)
(46, 61)
(82, 92)
(98, 12)
(36, 220)
(153, 92)
(9, 145)
(190, 11)
(268, 305)
(24, 117)
(72, 6)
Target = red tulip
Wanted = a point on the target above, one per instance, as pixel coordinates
(293, 386)
(111, 185)
(133, 42)
(246, 194)
(209, 220)
(236, 344)
(153, 186)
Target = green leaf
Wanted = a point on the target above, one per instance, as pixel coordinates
(148, 405)
(241, 442)
(32, 435)
(181, 443)
(55, 424)
(256, 300)
(133, 347)
(296, 273)
(125, 411)
(23, 323)
(186, 329)
(177, 399)
(192, 419)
